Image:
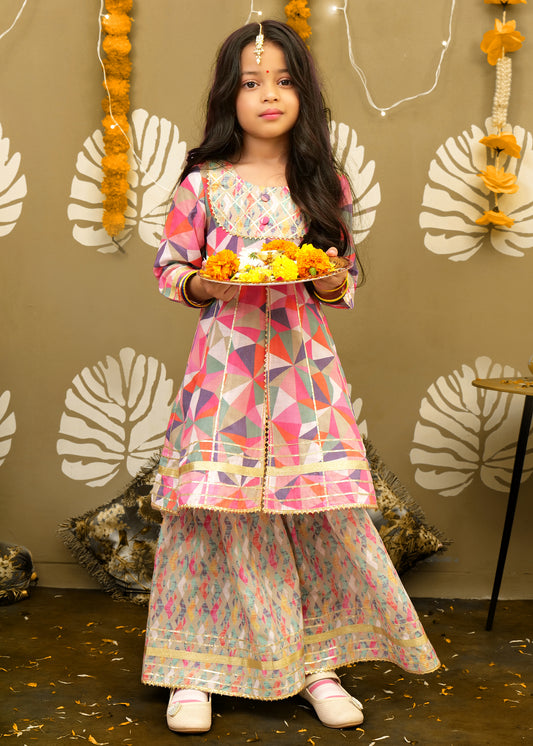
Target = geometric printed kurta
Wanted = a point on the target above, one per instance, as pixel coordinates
(263, 420)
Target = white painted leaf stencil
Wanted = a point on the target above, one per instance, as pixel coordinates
(455, 197)
(8, 426)
(115, 415)
(464, 431)
(357, 406)
(13, 187)
(161, 154)
(351, 156)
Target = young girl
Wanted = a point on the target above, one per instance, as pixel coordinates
(269, 573)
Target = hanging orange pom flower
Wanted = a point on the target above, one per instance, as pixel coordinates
(496, 217)
(503, 38)
(117, 24)
(505, 142)
(116, 46)
(499, 181)
(116, 105)
(119, 6)
(297, 13)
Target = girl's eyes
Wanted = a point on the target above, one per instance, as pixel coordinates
(251, 84)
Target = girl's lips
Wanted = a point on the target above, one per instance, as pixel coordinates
(271, 114)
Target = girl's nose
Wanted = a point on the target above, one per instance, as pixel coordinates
(270, 93)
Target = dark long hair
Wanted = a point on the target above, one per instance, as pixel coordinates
(312, 173)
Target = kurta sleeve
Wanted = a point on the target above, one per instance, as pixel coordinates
(183, 241)
(347, 301)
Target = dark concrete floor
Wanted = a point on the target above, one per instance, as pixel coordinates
(70, 671)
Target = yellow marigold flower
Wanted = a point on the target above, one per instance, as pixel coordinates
(499, 181)
(503, 38)
(222, 266)
(254, 274)
(503, 143)
(312, 262)
(283, 268)
(496, 217)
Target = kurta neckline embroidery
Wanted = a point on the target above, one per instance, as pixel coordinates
(251, 211)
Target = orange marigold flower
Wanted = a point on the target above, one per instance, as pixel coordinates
(118, 6)
(112, 186)
(115, 143)
(116, 86)
(116, 203)
(503, 38)
(222, 266)
(312, 262)
(116, 46)
(289, 248)
(116, 124)
(120, 67)
(499, 181)
(297, 12)
(496, 217)
(113, 222)
(117, 105)
(116, 164)
(116, 23)
(503, 143)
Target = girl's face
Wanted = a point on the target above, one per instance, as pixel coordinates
(267, 103)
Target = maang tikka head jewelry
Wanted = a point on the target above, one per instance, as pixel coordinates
(259, 39)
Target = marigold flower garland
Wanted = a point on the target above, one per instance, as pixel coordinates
(297, 13)
(496, 43)
(117, 66)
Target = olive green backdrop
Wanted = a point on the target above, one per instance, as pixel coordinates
(92, 354)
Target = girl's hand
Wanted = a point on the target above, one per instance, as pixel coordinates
(330, 285)
(200, 290)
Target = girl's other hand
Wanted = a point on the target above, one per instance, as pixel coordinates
(200, 290)
(330, 285)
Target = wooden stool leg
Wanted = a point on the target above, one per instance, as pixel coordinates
(521, 447)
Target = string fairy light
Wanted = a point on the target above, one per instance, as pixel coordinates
(384, 109)
(6, 32)
(253, 11)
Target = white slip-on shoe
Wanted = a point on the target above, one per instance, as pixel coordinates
(342, 711)
(188, 717)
